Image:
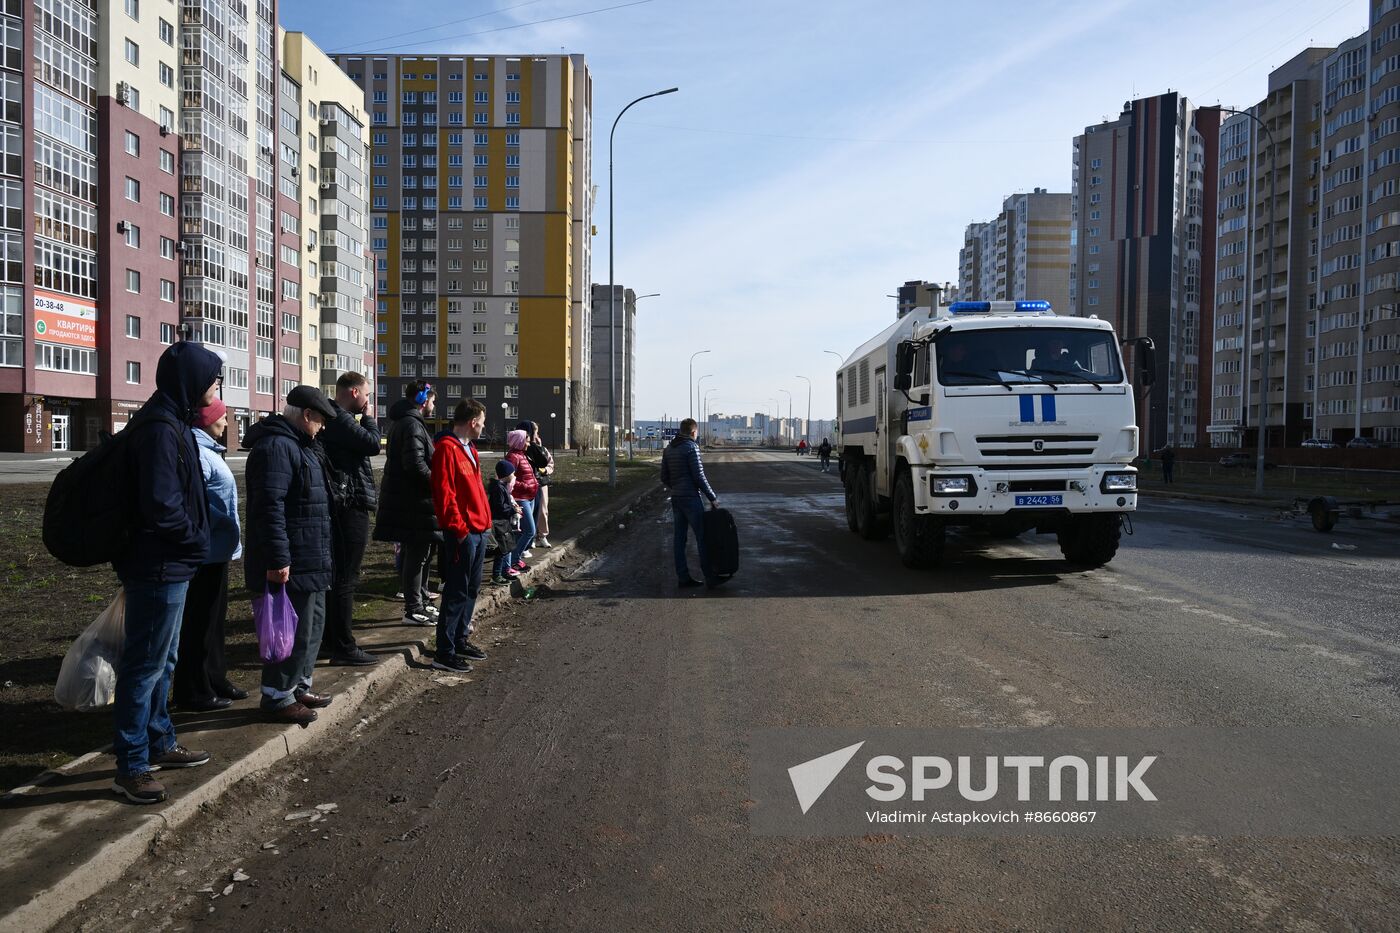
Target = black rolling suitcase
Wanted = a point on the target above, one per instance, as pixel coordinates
(721, 543)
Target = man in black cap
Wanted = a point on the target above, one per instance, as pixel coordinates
(290, 498)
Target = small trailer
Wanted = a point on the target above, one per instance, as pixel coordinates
(1325, 511)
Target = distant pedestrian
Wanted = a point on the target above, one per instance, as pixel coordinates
(289, 542)
(459, 499)
(1168, 463)
(201, 671)
(505, 522)
(524, 492)
(684, 475)
(406, 499)
(169, 543)
(824, 451)
(350, 439)
(542, 461)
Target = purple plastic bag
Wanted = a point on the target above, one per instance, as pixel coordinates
(276, 624)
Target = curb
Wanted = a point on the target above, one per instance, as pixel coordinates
(107, 864)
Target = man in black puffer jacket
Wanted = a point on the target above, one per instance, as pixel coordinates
(350, 439)
(289, 541)
(406, 512)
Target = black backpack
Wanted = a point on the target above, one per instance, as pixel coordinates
(88, 516)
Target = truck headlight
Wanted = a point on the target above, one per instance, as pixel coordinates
(1119, 482)
(953, 486)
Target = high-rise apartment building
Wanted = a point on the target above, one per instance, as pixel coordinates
(1245, 293)
(1143, 255)
(153, 192)
(618, 355)
(1024, 253)
(481, 215)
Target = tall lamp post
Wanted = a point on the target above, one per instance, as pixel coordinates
(612, 297)
(807, 434)
(505, 422)
(690, 385)
(839, 360)
(1262, 427)
(554, 429)
(696, 399)
(705, 435)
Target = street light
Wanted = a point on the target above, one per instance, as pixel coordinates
(691, 387)
(505, 420)
(839, 360)
(706, 409)
(807, 434)
(1262, 426)
(554, 430)
(612, 298)
(697, 390)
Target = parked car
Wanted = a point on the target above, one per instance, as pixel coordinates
(1242, 459)
(1317, 442)
(1366, 442)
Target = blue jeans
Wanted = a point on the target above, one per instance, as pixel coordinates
(689, 512)
(464, 561)
(526, 537)
(144, 729)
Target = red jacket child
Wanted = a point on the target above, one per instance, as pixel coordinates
(527, 485)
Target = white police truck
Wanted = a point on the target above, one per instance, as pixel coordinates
(1002, 416)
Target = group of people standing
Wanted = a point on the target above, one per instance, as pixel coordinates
(310, 490)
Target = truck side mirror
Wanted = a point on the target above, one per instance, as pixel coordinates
(903, 367)
(1146, 362)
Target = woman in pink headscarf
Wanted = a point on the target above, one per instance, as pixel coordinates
(527, 486)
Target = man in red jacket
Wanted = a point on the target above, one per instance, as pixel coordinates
(464, 515)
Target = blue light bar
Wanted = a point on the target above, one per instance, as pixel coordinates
(1032, 306)
(969, 307)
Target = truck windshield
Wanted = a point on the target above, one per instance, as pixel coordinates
(1062, 355)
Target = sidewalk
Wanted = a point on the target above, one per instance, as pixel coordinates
(66, 836)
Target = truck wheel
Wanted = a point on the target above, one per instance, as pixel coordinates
(852, 507)
(1091, 540)
(868, 523)
(918, 538)
(1324, 513)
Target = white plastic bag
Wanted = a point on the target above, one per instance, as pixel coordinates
(88, 678)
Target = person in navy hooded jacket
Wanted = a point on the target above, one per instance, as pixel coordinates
(170, 542)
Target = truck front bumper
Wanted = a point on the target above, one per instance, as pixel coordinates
(963, 491)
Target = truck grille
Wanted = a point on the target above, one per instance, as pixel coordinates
(1024, 445)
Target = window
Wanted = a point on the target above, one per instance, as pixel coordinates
(133, 326)
(133, 9)
(167, 75)
(167, 204)
(167, 290)
(133, 144)
(133, 190)
(167, 162)
(133, 52)
(167, 33)
(167, 333)
(133, 372)
(133, 236)
(167, 248)
(133, 281)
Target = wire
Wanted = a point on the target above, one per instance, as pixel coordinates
(485, 32)
(452, 22)
(1271, 51)
(829, 139)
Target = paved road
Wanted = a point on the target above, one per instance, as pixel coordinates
(593, 774)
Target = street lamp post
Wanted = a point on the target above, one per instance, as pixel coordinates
(706, 433)
(807, 433)
(691, 388)
(505, 420)
(612, 297)
(839, 360)
(696, 400)
(554, 429)
(1262, 427)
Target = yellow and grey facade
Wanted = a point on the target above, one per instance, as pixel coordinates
(1022, 254)
(480, 220)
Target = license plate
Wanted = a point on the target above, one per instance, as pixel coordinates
(1039, 500)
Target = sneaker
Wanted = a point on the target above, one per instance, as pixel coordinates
(455, 665)
(431, 595)
(180, 757)
(356, 658)
(471, 652)
(417, 618)
(431, 611)
(511, 574)
(521, 566)
(542, 541)
(293, 713)
(139, 788)
(499, 581)
(528, 554)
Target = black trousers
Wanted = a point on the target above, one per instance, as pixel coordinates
(201, 672)
(350, 538)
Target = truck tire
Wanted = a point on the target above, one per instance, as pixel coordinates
(1324, 513)
(848, 481)
(1091, 540)
(868, 523)
(918, 538)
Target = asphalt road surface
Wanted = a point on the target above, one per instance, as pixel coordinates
(594, 773)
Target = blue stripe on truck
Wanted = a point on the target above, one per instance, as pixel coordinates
(859, 426)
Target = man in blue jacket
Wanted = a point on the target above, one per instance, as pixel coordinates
(684, 474)
(289, 542)
(169, 544)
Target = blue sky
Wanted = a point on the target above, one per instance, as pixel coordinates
(820, 153)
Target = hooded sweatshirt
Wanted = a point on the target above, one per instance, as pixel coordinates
(171, 536)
